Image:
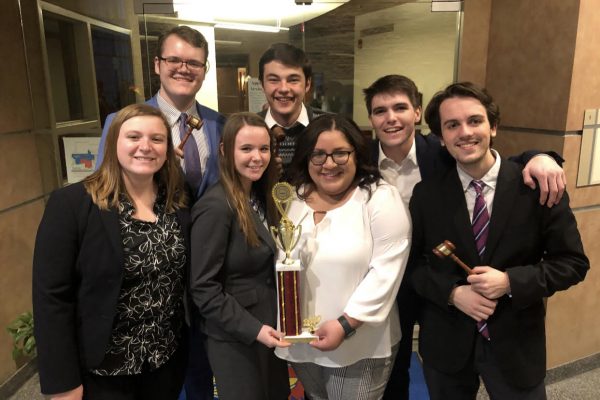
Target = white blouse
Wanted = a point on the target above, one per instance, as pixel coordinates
(353, 262)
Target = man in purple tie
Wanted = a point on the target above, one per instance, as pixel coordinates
(491, 323)
(181, 62)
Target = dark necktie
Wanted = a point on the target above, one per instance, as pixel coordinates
(191, 156)
(480, 225)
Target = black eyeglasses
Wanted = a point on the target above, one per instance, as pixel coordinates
(176, 62)
(340, 157)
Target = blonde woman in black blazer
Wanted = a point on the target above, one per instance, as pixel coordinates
(233, 267)
(108, 271)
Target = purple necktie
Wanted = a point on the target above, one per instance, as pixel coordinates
(191, 156)
(480, 225)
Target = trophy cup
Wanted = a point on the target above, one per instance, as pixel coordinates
(286, 235)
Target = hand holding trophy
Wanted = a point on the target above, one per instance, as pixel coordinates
(286, 235)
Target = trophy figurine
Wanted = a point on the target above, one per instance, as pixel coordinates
(286, 235)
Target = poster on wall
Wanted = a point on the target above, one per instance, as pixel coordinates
(256, 96)
(81, 154)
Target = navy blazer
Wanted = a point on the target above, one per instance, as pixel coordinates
(77, 272)
(539, 247)
(213, 125)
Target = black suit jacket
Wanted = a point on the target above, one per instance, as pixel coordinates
(77, 273)
(231, 283)
(539, 247)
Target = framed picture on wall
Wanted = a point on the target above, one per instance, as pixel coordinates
(80, 155)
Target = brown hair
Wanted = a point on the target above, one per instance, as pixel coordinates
(106, 184)
(230, 178)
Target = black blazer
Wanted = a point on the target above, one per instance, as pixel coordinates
(231, 283)
(539, 247)
(77, 273)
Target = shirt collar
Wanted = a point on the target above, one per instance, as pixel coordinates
(411, 157)
(489, 179)
(302, 118)
(173, 113)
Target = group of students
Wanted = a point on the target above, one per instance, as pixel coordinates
(158, 270)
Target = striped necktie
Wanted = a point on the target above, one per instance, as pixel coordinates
(480, 225)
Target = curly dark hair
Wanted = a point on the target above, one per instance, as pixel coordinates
(366, 172)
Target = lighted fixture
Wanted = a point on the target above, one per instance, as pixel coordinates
(251, 27)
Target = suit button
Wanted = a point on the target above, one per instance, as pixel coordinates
(269, 281)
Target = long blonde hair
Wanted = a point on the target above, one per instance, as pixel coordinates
(106, 184)
(230, 178)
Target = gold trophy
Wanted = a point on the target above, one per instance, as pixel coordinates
(286, 235)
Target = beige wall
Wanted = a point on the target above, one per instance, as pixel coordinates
(542, 68)
(421, 46)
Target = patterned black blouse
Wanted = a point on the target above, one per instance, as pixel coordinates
(149, 319)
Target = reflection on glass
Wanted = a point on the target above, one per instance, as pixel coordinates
(63, 67)
(114, 70)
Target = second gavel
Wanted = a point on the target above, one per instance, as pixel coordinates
(192, 123)
(446, 249)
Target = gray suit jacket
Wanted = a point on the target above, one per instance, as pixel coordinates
(231, 283)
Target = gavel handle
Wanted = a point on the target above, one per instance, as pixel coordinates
(188, 134)
(462, 264)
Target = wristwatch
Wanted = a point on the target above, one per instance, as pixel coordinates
(348, 329)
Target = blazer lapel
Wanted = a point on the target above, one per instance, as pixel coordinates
(110, 219)
(264, 233)
(504, 199)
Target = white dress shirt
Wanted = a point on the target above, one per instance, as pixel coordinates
(353, 262)
(302, 118)
(173, 115)
(489, 188)
(403, 177)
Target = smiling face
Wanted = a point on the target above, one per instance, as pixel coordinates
(179, 85)
(393, 118)
(285, 87)
(330, 179)
(251, 154)
(142, 147)
(467, 134)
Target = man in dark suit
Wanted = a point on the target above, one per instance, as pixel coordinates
(404, 157)
(285, 74)
(181, 63)
(490, 323)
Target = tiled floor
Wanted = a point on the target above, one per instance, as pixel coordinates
(585, 386)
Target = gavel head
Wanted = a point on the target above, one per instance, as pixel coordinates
(194, 122)
(444, 249)
(278, 133)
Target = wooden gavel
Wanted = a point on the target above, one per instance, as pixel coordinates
(446, 249)
(192, 123)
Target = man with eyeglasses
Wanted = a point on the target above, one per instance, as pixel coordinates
(405, 157)
(181, 64)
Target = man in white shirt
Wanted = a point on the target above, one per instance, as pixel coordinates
(488, 323)
(404, 157)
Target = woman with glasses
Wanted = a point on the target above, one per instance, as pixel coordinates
(108, 271)
(232, 278)
(353, 248)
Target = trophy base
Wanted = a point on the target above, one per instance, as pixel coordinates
(304, 337)
(295, 266)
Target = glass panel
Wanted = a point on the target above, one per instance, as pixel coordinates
(114, 70)
(349, 47)
(63, 66)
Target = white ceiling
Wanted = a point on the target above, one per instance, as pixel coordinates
(261, 12)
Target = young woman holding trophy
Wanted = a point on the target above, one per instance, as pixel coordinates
(353, 247)
(232, 278)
